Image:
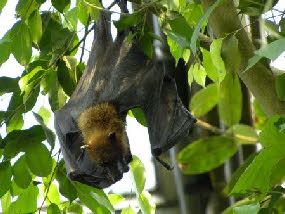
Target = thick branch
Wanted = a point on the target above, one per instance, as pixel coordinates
(259, 79)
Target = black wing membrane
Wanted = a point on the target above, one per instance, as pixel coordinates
(119, 72)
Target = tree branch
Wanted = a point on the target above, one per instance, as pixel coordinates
(259, 79)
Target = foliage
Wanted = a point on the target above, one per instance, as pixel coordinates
(46, 44)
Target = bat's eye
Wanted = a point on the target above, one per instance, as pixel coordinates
(112, 137)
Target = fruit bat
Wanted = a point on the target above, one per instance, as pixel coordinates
(118, 72)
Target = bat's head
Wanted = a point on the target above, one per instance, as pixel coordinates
(105, 140)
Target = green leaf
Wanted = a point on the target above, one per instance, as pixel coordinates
(21, 43)
(204, 100)
(127, 21)
(66, 77)
(50, 136)
(60, 5)
(25, 8)
(199, 74)
(5, 177)
(15, 190)
(95, 199)
(38, 158)
(8, 84)
(215, 51)
(138, 174)
(26, 202)
(35, 24)
(256, 7)
(139, 115)
(272, 50)
(210, 68)
(17, 140)
(57, 97)
(260, 117)
(45, 114)
(15, 123)
(53, 195)
(115, 198)
(128, 210)
(193, 13)
(256, 177)
(278, 173)
(66, 188)
(200, 23)
(146, 44)
(244, 134)
(230, 103)
(272, 136)
(231, 54)
(2, 4)
(146, 203)
(21, 173)
(53, 209)
(247, 209)
(50, 178)
(71, 19)
(206, 154)
(5, 50)
(82, 12)
(175, 50)
(280, 87)
(6, 202)
(30, 82)
(238, 173)
(179, 26)
(75, 208)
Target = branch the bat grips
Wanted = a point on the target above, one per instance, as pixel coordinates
(119, 77)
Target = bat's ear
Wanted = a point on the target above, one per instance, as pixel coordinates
(112, 137)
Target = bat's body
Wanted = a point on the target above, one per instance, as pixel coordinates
(122, 77)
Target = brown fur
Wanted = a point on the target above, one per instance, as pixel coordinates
(96, 123)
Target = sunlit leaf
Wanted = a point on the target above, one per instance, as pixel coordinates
(71, 19)
(138, 174)
(204, 100)
(15, 123)
(25, 8)
(26, 202)
(5, 50)
(35, 24)
(278, 173)
(215, 51)
(214, 150)
(45, 114)
(5, 177)
(115, 198)
(6, 202)
(230, 102)
(146, 203)
(139, 115)
(2, 4)
(128, 210)
(199, 74)
(53, 195)
(53, 209)
(96, 200)
(231, 53)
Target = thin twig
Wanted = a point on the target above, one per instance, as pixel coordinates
(49, 184)
(85, 35)
(218, 131)
(112, 4)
